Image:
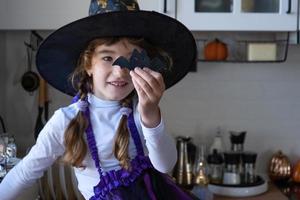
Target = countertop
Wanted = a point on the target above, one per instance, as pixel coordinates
(273, 193)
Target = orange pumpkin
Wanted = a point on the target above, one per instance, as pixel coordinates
(215, 50)
(296, 172)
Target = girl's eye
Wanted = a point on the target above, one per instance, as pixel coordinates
(107, 58)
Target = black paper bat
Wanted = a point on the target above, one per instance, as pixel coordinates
(140, 60)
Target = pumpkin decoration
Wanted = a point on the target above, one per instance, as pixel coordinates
(296, 172)
(279, 167)
(215, 50)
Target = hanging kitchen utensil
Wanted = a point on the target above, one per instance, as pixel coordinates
(41, 102)
(2, 124)
(30, 80)
(35, 40)
(46, 101)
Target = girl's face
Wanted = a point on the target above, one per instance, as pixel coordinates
(111, 82)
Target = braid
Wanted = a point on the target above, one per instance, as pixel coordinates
(76, 147)
(122, 137)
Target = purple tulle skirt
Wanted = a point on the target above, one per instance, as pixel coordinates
(150, 185)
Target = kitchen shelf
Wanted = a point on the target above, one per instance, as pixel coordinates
(247, 47)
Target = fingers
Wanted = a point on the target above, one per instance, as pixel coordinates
(150, 77)
(138, 88)
(148, 83)
(157, 76)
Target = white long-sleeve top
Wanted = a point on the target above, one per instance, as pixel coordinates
(105, 117)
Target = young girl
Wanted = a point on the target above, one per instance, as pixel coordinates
(113, 133)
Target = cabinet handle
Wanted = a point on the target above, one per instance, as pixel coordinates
(165, 6)
(289, 6)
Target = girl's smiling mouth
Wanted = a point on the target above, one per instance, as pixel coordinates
(118, 83)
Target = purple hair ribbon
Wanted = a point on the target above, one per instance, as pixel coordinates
(82, 105)
(125, 111)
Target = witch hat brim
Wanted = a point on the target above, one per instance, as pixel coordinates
(58, 55)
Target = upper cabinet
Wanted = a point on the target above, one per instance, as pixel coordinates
(298, 37)
(167, 7)
(238, 15)
(40, 14)
(197, 15)
(51, 15)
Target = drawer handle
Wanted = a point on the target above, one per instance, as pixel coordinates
(289, 6)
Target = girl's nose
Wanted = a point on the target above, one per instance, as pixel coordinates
(119, 71)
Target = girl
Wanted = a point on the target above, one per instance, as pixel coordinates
(113, 133)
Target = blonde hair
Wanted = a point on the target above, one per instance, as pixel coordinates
(75, 144)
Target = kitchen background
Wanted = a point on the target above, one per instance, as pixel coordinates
(261, 98)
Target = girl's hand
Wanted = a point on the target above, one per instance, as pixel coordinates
(150, 87)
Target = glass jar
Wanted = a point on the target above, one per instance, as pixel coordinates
(215, 167)
(249, 175)
(237, 140)
(231, 175)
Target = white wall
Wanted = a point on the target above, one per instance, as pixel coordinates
(263, 99)
(20, 107)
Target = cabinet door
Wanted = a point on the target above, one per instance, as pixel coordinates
(238, 15)
(166, 7)
(298, 35)
(40, 14)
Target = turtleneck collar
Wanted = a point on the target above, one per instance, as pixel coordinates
(100, 103)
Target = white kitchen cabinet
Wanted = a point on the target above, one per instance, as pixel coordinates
(167, 7)
(222, 15)
(238, 15)
(298, 37)
(50, 15)
(40, 14)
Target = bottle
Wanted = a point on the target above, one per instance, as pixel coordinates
(217, 143)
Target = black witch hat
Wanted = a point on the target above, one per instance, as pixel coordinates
(58, 55)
